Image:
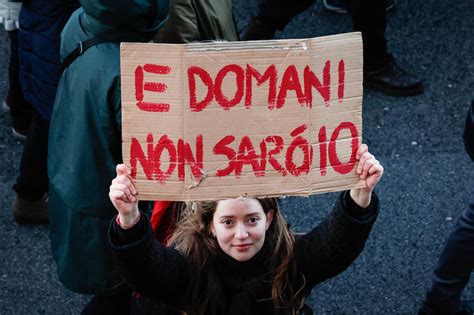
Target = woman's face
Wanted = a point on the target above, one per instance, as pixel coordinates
(240, 226)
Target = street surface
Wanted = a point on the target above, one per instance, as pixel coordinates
(426, 185)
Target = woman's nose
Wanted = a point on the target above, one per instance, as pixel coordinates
(241, 231)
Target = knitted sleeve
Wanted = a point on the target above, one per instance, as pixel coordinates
(336, 242)
(151, 269)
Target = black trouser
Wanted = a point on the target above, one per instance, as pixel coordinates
(19, 108)
(32, 183)
(454, 267)
(368, 17)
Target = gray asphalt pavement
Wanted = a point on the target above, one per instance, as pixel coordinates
(418, 140)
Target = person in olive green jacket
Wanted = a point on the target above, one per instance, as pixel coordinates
(198, 20)
(85, 142)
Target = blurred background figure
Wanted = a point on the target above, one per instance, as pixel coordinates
(14, 103)
(195, 20)
(341, 6)
(41, 23)
(457, 258)
(381, 72)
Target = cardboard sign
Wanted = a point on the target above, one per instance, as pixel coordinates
(220, 120)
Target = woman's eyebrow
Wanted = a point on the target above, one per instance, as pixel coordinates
(226, 217)
(233, 216)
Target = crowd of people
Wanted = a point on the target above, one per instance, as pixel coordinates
(234, 256)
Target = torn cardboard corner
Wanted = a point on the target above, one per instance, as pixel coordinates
(211, 121)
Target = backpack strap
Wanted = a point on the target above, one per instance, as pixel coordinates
(81, 48)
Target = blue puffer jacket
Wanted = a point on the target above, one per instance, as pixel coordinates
(41, 23)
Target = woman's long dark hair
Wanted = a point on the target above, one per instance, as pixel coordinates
(193, 238)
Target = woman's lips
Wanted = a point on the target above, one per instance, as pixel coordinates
(242, 247)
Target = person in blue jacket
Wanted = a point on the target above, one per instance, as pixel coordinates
(14, 103)
(41, 23)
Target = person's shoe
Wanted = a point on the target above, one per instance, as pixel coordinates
(393, 80)
(335, 6)
(31, 212)
(257, 30)
(5, 107)
(340, 6)
(20, 128)
(467, 308)
(20, 121)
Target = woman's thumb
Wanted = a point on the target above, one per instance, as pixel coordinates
(121, 169)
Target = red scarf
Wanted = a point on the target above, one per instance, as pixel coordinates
(163, 220)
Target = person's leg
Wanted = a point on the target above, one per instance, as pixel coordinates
(380, 69)
(280, 12)
(454, 267)
(32, 184)
(20, 110)
(369, 18)
(273, 15)
(341, 7)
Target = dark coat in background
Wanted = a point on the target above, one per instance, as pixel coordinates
(41, 23)
(85, 138)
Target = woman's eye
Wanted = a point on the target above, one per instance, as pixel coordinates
(253, 220)
(227, 222)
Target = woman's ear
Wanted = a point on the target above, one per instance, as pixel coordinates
(269, 218)
(212, 229)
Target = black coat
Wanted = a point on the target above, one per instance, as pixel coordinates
(161, 273)
(469, 132)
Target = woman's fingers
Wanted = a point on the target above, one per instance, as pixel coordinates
(368, 167)
(126, 190)
(361, 150)
(122, 191)
(375, 172)
(122, 169)
(117, 195)
(362, 161)
(126, 180)
(122, 187)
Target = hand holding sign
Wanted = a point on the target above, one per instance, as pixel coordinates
(370, 170)
(123, 196)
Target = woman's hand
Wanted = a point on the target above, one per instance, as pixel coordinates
(370, 170)
(123, 196)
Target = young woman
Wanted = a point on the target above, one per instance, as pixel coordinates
(237, 256)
